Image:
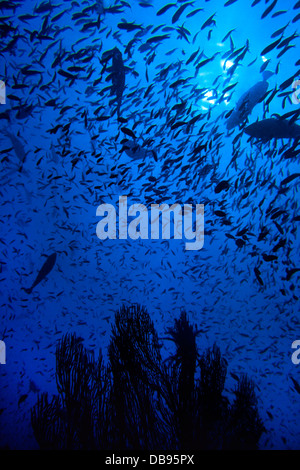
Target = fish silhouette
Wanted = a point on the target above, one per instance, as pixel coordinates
(273, 129)
(137, 152)
(247, 102)
(117, 75)
(44, 271)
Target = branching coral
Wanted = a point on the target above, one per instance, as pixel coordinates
(135, 360)
(139, 401)
(71, 420)
(46, 422)
(244, 425)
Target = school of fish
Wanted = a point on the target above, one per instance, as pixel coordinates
(184, 102)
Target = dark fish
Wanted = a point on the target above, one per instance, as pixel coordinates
(122, 120)
(165, 8)
(204, 62)
(290, 178)
(68, 76)
(229, 2)
(296, 18)
(287, 83)
(277, 214)
(269, 9)
(279, 228)
(180, 10)
(58, 16)
(277, 13)
(128, 132)
(234, 376)
(180, 81)
(258, 277)
(227, 35)
(269, 258)
(279, 31)
(280, 244)
(45, 270)
(22, 398)
(274, 92)
(143, 4)
(14, 98)
(267, 129)
(291, 272)
(240, 242)
(192, 57)
(270, 47)
(296, 385)
(209, 22)
(194, 12)
(26, 17)
(155, 39)
(223, 185)
(129, 26)
(283, 51)
(220, 213)
(44, 6)
(287, 40)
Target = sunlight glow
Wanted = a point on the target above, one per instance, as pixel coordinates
(226, 64)
(208, 97)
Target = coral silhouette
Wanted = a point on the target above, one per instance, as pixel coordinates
(140, 401)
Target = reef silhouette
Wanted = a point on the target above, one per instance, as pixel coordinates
(138, 401)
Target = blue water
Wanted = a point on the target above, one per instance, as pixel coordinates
(54, 178)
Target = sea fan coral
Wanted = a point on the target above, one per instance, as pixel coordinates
(140, 401)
